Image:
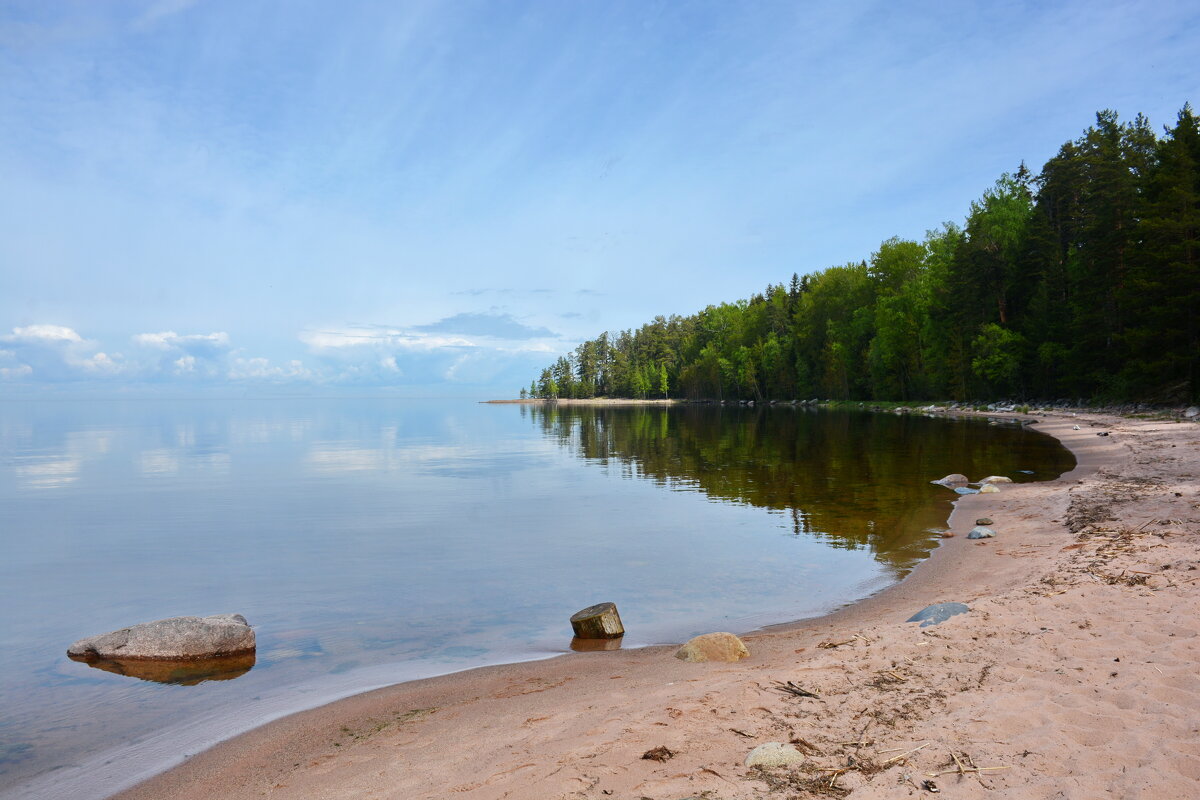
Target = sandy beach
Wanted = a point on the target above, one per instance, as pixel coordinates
(1073, 675)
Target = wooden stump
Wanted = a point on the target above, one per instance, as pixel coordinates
(600, 621)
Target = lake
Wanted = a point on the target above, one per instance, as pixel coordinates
(371, 541)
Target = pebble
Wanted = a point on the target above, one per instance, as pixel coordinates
(984, 521)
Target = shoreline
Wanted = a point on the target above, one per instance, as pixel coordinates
(577, 697)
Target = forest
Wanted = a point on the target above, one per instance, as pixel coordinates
(1079, 282)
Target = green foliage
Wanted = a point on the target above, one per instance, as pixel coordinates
(998, 356)
(1082, 281)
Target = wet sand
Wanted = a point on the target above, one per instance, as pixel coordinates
(1073, 676)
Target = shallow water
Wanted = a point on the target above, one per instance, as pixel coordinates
(373, 541)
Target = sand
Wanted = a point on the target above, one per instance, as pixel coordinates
(1073, 676)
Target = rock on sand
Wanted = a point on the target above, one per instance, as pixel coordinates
(713, 647)
(174, 639)
(773, 754)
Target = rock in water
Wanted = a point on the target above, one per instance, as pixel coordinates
(952, 480)
(174, 639)
(996, 479)
(773, 754)
(989, 488)
(939, 612)
(600, 621)
(981, 533)
(713, 647)
(965, 490)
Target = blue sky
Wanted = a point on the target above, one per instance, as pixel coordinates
(439, 198)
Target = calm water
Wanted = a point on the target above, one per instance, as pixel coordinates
(374, 541)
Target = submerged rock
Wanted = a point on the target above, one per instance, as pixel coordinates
(996, 479)
(937, 613)
(773, 754)
(953, 479)
(713, 647)
(173, 639)
(981, 533)
(965, 490)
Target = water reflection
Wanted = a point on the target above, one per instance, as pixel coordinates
(852, 479)
(178, 673)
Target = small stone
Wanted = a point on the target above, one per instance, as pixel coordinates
(989, 488)
(773, 754)
(713, 647)
(937, 613)
(947, 534)
(981, 533)
(984, 521)
(1191, 411)
(996, 479)
(965, 490)
(952, 480)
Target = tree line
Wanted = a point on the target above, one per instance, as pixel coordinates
(1082, 281)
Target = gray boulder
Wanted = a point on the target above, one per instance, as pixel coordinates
(174, 639)
(1191, 411)
(981, 532)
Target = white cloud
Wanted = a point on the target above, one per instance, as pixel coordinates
(54, 353)
(44, 333)
(193, 355)
(380, 337)
(167, 340)
(261, 369)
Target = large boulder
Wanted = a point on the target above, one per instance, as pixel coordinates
(174, 639)
(713, 647)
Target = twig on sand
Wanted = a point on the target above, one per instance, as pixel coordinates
(904, 755)
(856, 637)
(972, 770)
(794, 690)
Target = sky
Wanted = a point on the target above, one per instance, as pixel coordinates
(440, 198)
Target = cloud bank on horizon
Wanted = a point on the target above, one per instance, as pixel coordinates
(467, 349)
(204, 193)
